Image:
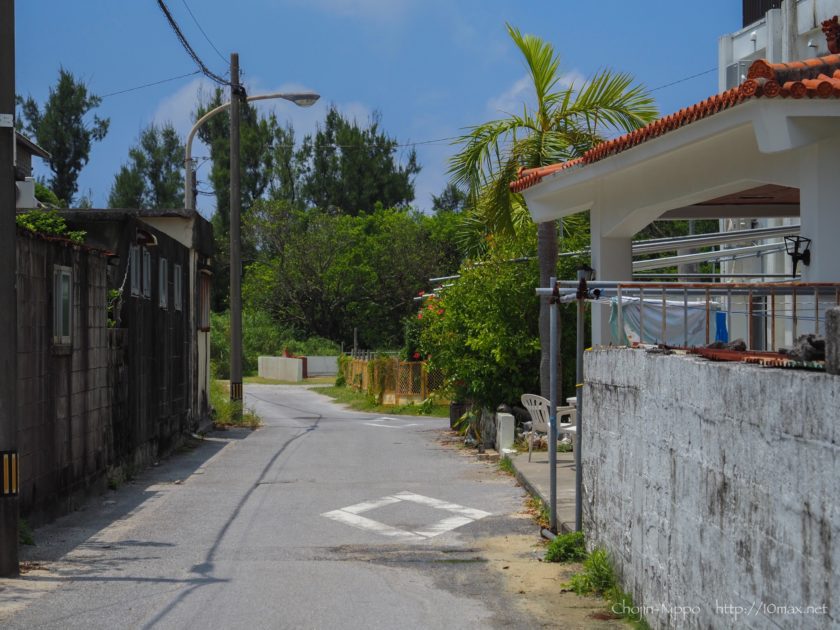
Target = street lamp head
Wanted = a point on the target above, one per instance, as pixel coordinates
(304, 99)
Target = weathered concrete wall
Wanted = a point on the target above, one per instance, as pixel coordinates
(715, 485)
(832, 341)
(280, 368)
(321, 366)
(64, 394)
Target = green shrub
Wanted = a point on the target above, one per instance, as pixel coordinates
(49, 222)
(566, 548)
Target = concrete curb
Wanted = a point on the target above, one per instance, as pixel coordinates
(531, 489)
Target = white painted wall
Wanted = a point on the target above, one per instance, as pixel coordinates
(280, 368)
(714, 484)
(321, 366)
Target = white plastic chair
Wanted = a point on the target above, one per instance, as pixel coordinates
(539, 409)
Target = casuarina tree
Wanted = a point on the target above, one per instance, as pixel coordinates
(154, 175)
(63, 128)
(566, 121)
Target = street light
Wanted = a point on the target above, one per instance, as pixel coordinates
(301, 99)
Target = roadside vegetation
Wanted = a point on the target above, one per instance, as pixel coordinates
(228, 414)
(360, 401)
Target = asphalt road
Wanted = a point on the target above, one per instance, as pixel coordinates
(322, 518)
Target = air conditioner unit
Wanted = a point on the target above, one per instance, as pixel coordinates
(736, 73)
(25, 198)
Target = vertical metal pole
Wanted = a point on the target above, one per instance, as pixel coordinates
(552, 414)
(8, 297)
(817, 311)
(235, 242)
(795, 316)
(664, 318)
(751, 311)
(685, 317)
(773, 319)
(708, 315)
(581, 305)
(641, 316)
(622, 334)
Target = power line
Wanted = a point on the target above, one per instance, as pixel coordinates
(176, 29)
(192, 15)
(683, 80)
(145, 85)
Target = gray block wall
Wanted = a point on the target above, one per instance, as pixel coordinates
(715, 486)
(64, 394)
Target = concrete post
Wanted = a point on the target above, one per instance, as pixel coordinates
(8, 297)
(819, 192)
(612, 259)
(235, 241)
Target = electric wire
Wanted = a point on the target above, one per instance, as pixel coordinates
(189, 49)
(209, 41)
(153, 83)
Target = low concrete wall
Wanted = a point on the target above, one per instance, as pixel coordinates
(322, 366)
(280, 368)
(715, 486)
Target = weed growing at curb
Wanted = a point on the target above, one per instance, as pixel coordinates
(506, 465)
(598, 577)
(566, 548)
(538, 510)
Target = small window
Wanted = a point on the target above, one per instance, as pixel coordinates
(62, 304)
(134, 270)
(147, 273)
(204, 301)
(176, 287)
(163, 283)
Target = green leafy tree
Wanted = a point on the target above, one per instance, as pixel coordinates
(154, 176)
(63, 128)
(567, 121)
(324, 274)
(451, 199)
(347, 168)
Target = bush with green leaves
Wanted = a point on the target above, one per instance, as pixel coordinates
(597, 575)
(482, 331)
(50, 223)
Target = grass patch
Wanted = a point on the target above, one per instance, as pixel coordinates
(598, 577)
(315, 380)
(566, 548)
(227, 413)
(25, 536)
(361, 402)
(506, 465)
(564, 447)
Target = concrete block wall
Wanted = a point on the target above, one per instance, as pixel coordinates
(322, 365)
(64, 395)
(715, 487)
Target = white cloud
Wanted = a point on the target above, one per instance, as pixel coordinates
(179, 107)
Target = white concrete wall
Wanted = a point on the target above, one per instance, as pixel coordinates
(280, 368)
(321, 366)
(714, 485)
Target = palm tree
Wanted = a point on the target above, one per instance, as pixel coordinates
(568, 121)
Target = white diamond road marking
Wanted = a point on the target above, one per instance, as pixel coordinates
(352, 515)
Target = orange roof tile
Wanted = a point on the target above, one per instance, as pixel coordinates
(812, 78)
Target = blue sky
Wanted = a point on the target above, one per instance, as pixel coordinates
(430, 67)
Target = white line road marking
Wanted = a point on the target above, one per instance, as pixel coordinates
(351, 515)
(362, 522)
(374, 423)
(387, 426)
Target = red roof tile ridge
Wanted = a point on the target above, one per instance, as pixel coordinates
(818, 77)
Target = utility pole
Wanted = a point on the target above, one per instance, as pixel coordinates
(9, 566)
(236, 93)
